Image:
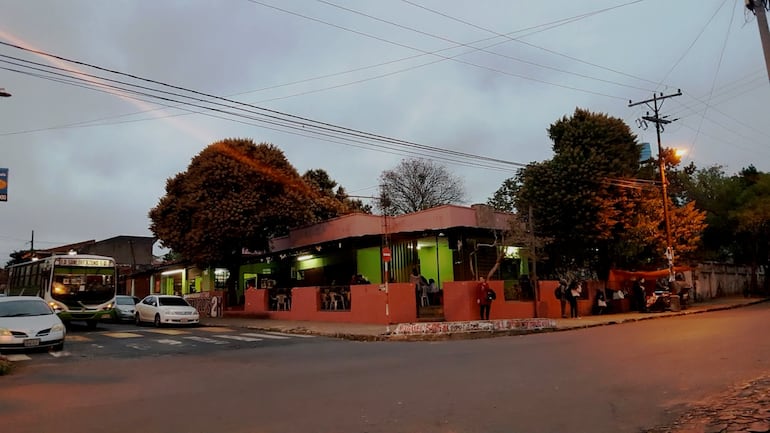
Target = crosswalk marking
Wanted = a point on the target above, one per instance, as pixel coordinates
(138, 346)
(169, 331)
(238, 337)
(268, 336)
(283, 334)
(122, 334)
(205, 340)
(218, 339)
(215, 329)
(169, 341)
(17, 357)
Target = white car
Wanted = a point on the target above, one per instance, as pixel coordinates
(125, 308)
(28, 322)
(165, 309)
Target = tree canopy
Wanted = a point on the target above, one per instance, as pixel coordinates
(234, 195)
(418, 184)
(590, 201)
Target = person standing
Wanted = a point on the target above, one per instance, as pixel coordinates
(640, 297)
(573, 293)
(561, 294)
(484, 297)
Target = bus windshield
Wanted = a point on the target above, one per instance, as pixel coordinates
(76, 286)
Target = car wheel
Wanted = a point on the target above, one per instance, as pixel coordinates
(137, 320)
(157, 320)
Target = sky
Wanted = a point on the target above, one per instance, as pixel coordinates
(111, 99)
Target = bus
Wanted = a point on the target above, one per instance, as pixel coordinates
(78, 287)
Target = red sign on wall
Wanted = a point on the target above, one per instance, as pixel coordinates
(385, 254)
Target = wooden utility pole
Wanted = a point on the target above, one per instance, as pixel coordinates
(658, 121)
(758, 7)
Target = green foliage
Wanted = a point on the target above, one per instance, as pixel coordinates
(5, 366)
(588, 199)
(573, 202)
(235, 194)
(331, 202)
(503, 198)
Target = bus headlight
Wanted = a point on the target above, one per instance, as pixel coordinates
(107, 307)
(56, 307)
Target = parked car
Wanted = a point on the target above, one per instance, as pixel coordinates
(125, 308)
(165, 309)
(28, 322)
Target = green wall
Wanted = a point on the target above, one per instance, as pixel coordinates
(369, 260)
(439, 268)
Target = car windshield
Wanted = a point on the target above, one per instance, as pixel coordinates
(19, 308)
(175, 302)
(120, 300)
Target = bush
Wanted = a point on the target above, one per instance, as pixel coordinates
(5, 365)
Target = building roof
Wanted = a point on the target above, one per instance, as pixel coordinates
(359, 224)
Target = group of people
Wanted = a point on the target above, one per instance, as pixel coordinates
(569, 293)
(425, 288)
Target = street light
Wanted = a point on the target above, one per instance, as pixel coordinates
(4, 94)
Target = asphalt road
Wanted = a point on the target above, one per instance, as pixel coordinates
(126, 340)
(620, 378)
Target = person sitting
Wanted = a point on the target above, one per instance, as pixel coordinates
(433, 292)
(601, 302)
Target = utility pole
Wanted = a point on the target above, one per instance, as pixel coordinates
(659, 121)
(758, 7)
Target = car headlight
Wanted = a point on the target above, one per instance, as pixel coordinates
(5, 332)
(57, 328)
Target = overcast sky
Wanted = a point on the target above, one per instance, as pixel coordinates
(443, 79)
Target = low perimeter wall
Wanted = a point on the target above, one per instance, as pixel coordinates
(369, 302)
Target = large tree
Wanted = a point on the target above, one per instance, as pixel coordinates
(590, 201)
(235, 195)
(574, 195)
(418, 184)
(334, 196)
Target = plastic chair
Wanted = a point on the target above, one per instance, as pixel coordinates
(424, 299)
(282, 302)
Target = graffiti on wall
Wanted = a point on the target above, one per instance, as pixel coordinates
(474, 326)
(208, 305)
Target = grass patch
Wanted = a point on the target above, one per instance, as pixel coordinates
(5, 365)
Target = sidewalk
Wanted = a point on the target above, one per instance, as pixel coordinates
(477, 329)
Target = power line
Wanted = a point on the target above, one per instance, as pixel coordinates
(488, 68)
(273, 117)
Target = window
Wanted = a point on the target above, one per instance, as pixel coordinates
(220, 278)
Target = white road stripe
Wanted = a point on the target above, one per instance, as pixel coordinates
(169, 342)
(17, 357)
(290, 335)
(238, 337)
(206, 340)
(138, 346)
(268, 336)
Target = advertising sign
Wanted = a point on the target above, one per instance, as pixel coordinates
(3, 184)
